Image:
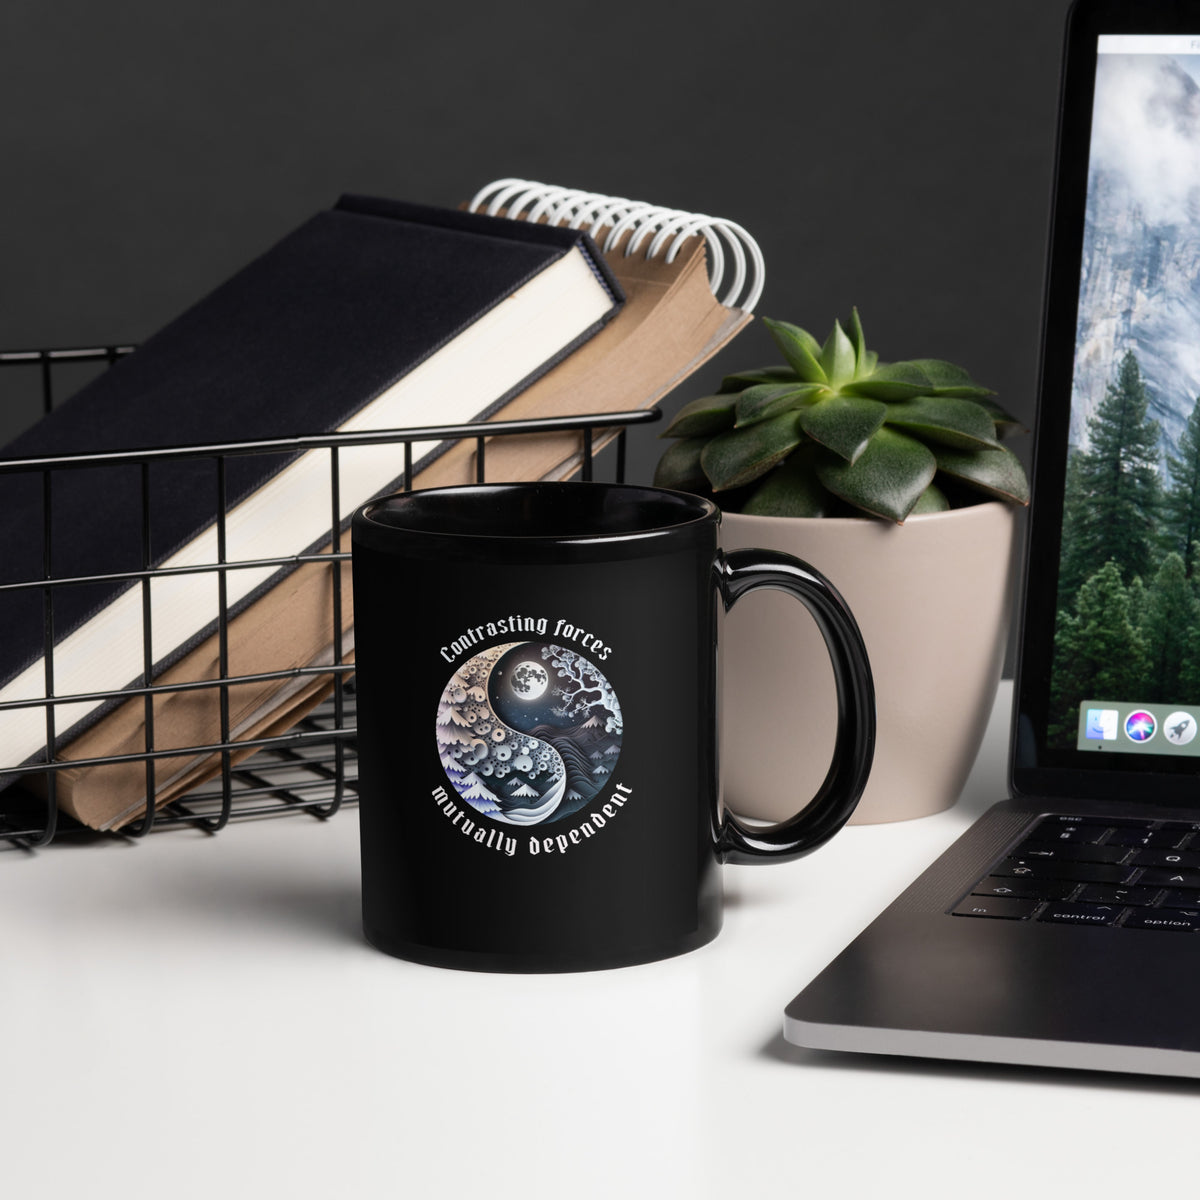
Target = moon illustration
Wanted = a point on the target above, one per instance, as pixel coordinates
(529, 680)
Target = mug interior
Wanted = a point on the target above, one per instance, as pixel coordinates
(570, 511)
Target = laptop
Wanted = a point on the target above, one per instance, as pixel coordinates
(1063, 928)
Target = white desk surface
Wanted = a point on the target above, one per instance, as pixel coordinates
(184, 1019)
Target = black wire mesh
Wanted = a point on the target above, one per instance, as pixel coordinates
(312, 767)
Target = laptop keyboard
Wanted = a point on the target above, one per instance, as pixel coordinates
(1096, 871)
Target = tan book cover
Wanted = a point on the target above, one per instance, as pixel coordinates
(670, 325)
(290, 627)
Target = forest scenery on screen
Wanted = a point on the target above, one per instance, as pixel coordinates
(1128, 621)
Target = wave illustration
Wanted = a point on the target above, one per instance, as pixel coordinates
(535, 815)
(579, 768)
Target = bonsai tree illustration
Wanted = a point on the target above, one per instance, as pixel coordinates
(583, 688)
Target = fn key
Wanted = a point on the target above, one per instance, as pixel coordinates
(998, 906)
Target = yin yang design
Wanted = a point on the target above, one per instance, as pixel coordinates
(528, 732)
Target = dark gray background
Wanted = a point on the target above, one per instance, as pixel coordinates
(892, 155)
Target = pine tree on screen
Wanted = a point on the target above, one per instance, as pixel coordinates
(1170, 614)
(1115, 493)
(1181, 504)
(1100, 652)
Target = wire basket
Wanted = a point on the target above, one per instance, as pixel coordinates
(311, 768)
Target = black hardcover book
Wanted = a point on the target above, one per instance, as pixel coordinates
(372, 315)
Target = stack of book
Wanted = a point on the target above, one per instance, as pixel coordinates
(372, 316)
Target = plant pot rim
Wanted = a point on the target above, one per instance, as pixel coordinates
(984, 506)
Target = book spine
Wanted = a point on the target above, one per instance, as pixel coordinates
(487, 225)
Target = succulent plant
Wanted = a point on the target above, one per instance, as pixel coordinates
(836, 432)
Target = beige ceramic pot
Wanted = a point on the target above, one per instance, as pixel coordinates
(932, 598)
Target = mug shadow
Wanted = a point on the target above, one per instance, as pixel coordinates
(324, 910)
(333, 911)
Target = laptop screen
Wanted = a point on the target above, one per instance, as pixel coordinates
(1111, 673)
(1127, 648)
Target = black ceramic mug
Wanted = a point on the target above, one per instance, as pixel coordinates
(537, 723)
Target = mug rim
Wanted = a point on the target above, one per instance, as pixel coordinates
(702, 512)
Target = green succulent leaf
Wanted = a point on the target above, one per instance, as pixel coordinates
(680, 468)
(835, 427)
(1006, 424)
(744, 379)
(838, 357)
(702, 417)
(996, 471)
(944, 419)
(886, 480)
(891, 382)
(741, 456)
(844, 424)
(932, 500)
(766, 400)
(800, 348)
(949, 380)
(860, 343)
(791, 490)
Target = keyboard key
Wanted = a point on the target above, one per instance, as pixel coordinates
(1027, 889)
(1035, 868)
(1082, 853)
(1168, 877)
(1157, 918)
(1081, 914)
(1060, 834)
(1154, 839)
(1102, 893)
(1004, 908)
(1181, 899)
(1106, 822)
(1126, 822)
(1182, 826)
(1180, 859)
(1057, 820)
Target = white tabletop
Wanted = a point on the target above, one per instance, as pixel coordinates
(191, 1016)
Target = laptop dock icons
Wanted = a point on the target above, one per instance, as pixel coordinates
(1179, 728)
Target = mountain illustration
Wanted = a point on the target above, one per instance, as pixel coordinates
(573, 800)
(472, 788)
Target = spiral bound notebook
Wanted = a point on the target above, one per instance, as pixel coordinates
(690, 282)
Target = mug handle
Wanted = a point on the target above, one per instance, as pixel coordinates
(743, 571)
